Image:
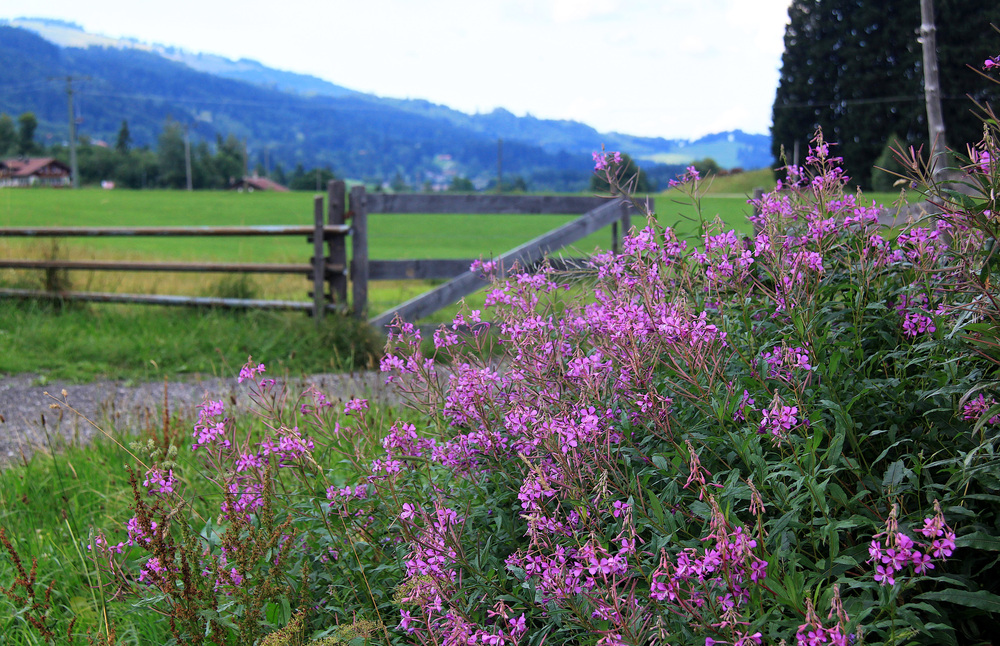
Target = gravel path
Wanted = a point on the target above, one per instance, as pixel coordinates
(26, 411)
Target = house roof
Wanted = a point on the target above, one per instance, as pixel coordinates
(28, 166)
(262, 184)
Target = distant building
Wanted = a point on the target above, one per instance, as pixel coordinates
(34, 171)
(254, 183)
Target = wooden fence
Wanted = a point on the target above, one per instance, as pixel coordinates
(328, 268)
(597, 213)
(325, 267)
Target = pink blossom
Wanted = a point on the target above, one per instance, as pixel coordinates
(249, 371)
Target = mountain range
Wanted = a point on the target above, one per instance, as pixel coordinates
(296, 119)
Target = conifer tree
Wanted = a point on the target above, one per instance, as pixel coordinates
(854, 68)
(124, 141)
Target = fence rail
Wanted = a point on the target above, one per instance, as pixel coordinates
(328, 269)
(597, 213)
(162, 299)
(321, 269)
(196, 231)
(112, 265)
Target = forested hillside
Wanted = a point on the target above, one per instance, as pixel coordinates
(288, 121)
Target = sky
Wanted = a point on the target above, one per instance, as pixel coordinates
(659, 68)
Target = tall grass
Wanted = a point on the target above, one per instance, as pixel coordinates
(53, 504)
(85, 342)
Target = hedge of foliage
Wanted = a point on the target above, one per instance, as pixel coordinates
(789, 437)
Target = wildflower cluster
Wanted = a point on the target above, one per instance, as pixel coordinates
(900, 551)
(581, 415)
(698, 450)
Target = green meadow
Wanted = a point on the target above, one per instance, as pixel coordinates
(87, 341)
(391, 236)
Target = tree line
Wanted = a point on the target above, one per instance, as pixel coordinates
(855, 68)
(213, 166)
(218, 165)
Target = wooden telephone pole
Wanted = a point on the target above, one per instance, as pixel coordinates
(932, 89)
(74, 171)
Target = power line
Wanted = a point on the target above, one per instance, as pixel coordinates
(276, 102)
(847, 102)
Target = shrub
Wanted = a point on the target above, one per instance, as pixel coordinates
(749, 440)
(785, 437)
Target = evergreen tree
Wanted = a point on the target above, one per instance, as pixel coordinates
(461, 185)
(854, 68)
(229, 158)
(27, 123)
(124, 140)
(308, 181)
(398, 183)
(170, 154)
(278, 174)
(8, 135)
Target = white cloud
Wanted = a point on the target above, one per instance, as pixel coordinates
(574, 10)
(669, 68)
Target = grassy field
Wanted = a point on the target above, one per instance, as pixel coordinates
(92, 341)
(84, 342)
(101, 340)
(391, 237)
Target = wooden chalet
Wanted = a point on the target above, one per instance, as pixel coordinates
(254, 183)
(34, 171)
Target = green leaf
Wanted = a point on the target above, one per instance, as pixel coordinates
(980, 599)
(979, 541)
(278, 614)
(893, 475)
(657, 508)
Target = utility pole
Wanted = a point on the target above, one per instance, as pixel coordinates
(499, 165)
(74, 171)
(932, 88)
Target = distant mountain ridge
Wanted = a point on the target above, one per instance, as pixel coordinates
(296, 118)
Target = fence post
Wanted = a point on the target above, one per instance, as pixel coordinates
(318, 261)
(626, 217)
(336, 244)
(359, 247)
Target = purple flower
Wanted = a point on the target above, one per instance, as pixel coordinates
(884, 576)
(944, 547)
(600, 162)
(603, 160)
(921, 562)
(249, 371)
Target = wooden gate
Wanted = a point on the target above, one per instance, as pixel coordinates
(597, 213)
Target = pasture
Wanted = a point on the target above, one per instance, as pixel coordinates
(91, 341)
(391, 237)
(85, 342)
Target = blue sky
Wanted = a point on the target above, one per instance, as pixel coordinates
(644, 67)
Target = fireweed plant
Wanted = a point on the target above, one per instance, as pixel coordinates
(783, 438)
(746, 441)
